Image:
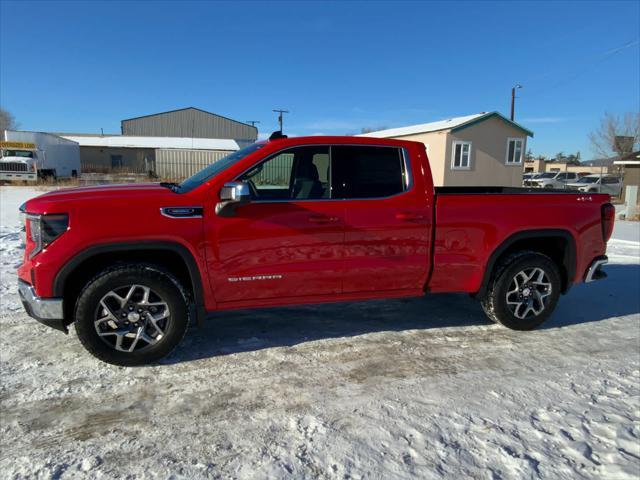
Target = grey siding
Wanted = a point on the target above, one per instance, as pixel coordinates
(180, 164)
(115, 160)
(189, 122)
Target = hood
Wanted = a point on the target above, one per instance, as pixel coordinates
(102, 190)
(115, 195)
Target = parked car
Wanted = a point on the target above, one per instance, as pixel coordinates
(529, 176)
(552, 180)
(598, 184)
(297, 221)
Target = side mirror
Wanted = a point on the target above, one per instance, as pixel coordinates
(232, 194)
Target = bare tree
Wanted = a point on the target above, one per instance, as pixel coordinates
(372, 129)
(7, 120)
(606, 139)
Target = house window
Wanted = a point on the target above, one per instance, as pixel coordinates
(514, 151)
(461, 156)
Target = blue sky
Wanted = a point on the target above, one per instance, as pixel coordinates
(337, 66)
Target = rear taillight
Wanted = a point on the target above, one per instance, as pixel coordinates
(608, 217)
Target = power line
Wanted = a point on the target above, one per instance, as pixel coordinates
(594, 60)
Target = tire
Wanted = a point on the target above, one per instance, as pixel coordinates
(150, 308)
(532, 301)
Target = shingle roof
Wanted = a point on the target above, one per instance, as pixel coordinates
(453, 124)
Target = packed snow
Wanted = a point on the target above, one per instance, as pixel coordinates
(420, 388)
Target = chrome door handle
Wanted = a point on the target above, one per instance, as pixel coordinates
(408, 217)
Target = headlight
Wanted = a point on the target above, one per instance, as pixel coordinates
(44, 229)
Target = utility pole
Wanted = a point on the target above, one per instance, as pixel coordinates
(513, 100)
(253, 122)
(280, 112)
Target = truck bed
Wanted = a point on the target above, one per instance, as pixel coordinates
(472, 222)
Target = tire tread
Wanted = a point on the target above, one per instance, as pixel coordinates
(107, 275)
(490, 299)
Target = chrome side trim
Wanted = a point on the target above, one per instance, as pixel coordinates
(182, 212)
(593, 268)
(42, 308)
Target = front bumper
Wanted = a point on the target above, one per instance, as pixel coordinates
(47, 311)
(29, 177)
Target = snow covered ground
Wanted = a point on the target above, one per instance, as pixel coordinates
(423, 388)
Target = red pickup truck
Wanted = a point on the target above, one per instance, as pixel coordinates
(294, 221)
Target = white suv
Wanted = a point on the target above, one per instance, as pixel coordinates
(552, 180)
(598, 184)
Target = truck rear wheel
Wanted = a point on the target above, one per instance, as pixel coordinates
(524, 291)
(131, 315)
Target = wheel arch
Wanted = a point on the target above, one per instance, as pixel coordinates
(175, 257)
(558, 244)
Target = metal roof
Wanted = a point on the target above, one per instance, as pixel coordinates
(630, 159)
(126, 141)
(453, 124)
(188, 108)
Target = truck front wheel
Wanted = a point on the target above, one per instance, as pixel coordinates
(524, 290)
(131, 315)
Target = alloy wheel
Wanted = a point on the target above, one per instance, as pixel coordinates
(132, 318)
(528, 293)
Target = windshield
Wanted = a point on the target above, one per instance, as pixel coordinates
(588, 180)
(18, 153)
(547, 175)
(215, 168)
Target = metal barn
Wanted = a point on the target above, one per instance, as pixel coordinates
(189, 123)
(164, 157)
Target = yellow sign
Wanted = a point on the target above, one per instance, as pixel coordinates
(18, 145)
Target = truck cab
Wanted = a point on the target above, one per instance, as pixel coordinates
(18, 161)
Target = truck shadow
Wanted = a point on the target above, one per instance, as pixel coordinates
(226, 333)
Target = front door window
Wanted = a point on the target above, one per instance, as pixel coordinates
(300, 173)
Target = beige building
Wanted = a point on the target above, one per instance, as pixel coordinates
(476, 150)
(630, 166)
(539, 165)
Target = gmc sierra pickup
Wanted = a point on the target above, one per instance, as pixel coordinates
(294, 221)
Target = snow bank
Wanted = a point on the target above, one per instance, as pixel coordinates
(422, 388)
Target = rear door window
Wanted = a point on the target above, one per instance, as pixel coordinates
(367, 171)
